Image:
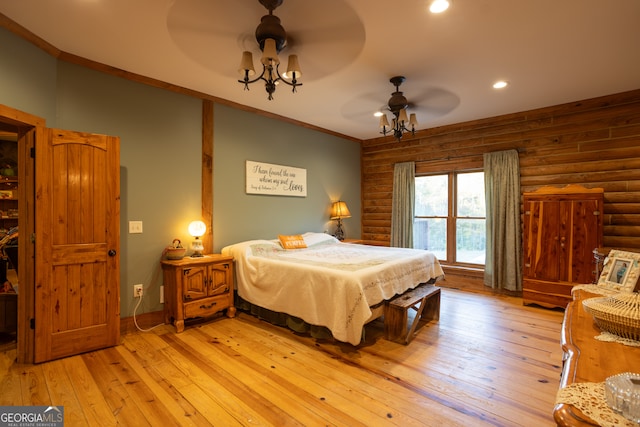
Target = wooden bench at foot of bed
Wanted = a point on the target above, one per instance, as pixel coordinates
(425, 300)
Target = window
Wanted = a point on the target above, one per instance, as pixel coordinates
(450, 216)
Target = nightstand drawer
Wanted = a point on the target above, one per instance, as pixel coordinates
(206, 306)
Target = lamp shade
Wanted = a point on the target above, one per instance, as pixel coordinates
(197, 228)
(339, 210)
(293, 67)
(246, 64)
(403, 116)
(383, 121)
(269, 53)
(412, 120)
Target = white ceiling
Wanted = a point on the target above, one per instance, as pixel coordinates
(551, 52)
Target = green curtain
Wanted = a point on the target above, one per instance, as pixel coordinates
(402, 209)
(503, 264)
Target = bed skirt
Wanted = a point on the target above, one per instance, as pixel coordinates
(298, 325)
(282, 319)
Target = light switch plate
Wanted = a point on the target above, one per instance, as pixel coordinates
(135, 227)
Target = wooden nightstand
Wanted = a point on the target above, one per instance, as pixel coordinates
(351, 241)
(197, 287)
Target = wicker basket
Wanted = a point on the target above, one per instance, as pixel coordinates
(175, 251)
(618, 314)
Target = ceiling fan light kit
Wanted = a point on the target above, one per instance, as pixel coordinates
(272, 38)
(398, 106)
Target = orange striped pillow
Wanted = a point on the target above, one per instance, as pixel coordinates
(295, 241)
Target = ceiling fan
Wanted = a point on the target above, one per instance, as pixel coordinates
(398, 104)
(272, 38)
(215, 32)
(428, 103)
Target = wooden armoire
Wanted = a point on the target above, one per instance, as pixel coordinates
(561, 228)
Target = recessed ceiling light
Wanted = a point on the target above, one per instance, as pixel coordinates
(500, 84)
(378, 113)
(438, 6)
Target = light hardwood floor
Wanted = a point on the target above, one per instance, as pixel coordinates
(489, 361)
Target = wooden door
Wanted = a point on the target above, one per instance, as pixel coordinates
(541, 239)
(564, 239)
(586, 236)
(77, 296)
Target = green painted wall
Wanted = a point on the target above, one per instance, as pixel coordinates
(27, 78)
(160, 133)
(333, 172)
(160, 152)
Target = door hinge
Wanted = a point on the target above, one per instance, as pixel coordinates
(596, 213)
(32, 323)
(32, 152)
(527, 212)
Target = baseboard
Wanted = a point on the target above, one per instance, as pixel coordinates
(472, 281)
(454, 278)
(144, 320)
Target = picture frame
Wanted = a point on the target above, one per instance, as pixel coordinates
(620, 271)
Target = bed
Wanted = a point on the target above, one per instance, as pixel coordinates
(325, 282)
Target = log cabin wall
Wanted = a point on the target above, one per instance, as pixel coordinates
(594, 143)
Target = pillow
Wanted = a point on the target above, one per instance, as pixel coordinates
(311, 238)
(620, 271)
(295, 241)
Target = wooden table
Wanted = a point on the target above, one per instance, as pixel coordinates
(587, 359)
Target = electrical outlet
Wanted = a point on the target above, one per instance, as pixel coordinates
(137, 291)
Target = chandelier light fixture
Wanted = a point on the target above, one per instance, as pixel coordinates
(272, 38)
(398, 106)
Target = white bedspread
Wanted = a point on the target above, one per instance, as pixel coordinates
(330, 283)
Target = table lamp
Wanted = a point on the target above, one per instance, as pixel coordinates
(339, 210)
(197, 229)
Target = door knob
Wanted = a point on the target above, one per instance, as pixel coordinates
(112, 252)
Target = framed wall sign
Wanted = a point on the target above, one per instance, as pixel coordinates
(275, 180)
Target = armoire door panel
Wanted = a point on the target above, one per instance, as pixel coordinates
(543, 238)
(565, 238)
(587, 222)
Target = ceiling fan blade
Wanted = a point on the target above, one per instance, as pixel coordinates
(430, 103)
(436, 102)
(361, 108)
(214, 33)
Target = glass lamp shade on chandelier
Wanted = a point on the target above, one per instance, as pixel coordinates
(271, 38)
(339, 210)
(197, 230)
